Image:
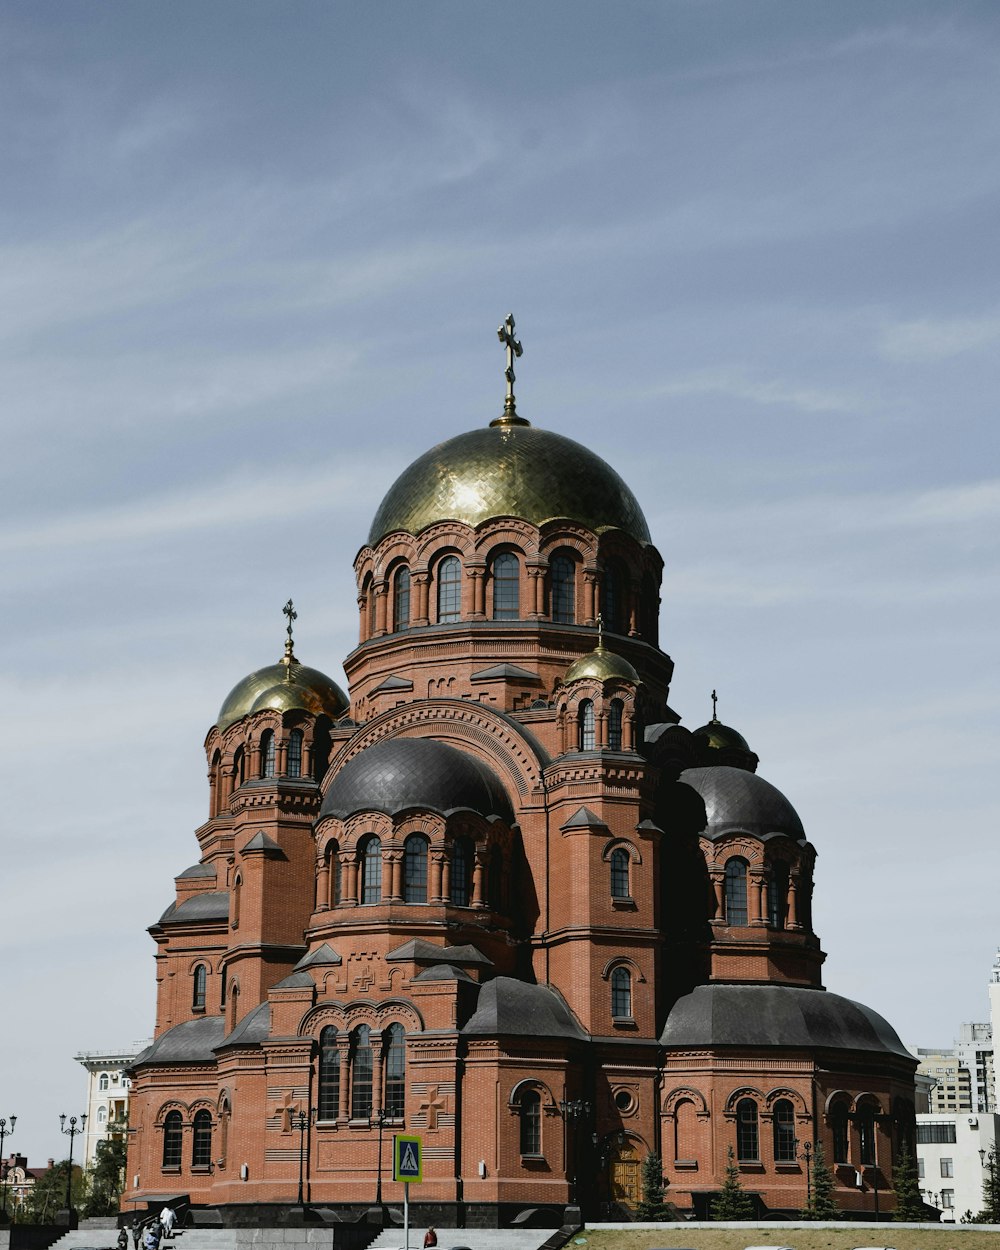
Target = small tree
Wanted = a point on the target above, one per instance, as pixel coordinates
(652, 1207)
(909, 1204)
(48, 1194)
(732, 1202)
(821, 1205)
(104, 1178)
(990, 1214)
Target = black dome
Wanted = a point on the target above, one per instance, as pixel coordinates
(777, 1015)
(736, 800)
(414, 772)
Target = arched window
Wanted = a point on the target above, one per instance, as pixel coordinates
(841, 1136)
(530, 1107)
(401, 599)
(866, 1135)
(613, 598)
(621, 994)
(201, 1139)
(200, 987)
(361, 1073)
(777, 894)
(334, 875)
(328, 1098)
(239, 767)
(294, 764)
(267, 753)
(321, 747)
(506, 587)
(172, 1139)
(370, 595)
(104, 1081)
(222, 989)
(394, 1086)
(461, 872)
(619, 873)
(371, 869)
(237, 892)
(736, 891)
(615, 715)
(495, 879)
(449, 590)
(415, 869)
(784, 1131)
(585, 726)
(649, 609)
(747, 1134)
(102, 1114)
(217, 783)
(562, 593)
(234, 1005)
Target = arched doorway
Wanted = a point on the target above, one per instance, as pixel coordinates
(624, 1173)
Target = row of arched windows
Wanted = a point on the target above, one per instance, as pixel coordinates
(270, 759)
(347, 1073)
(736, 896)
(587, 728)
(502, 595)
(455, 879)
(783, 1141)
(173, 1140)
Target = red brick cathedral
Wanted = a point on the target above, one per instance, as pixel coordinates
(497, 896)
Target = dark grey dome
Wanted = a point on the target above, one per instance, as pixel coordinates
(736, 800)
(777, 1015)
(509, 1006)
(415, 772)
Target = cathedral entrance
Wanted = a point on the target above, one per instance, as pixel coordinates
(624, 1180)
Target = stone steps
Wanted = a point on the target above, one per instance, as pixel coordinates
(474, 1238)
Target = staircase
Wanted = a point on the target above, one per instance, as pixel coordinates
(473, 1238)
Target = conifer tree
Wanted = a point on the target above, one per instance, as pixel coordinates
(821, 1205)
(909, 1204)
(732, 1202)
(652, 1207)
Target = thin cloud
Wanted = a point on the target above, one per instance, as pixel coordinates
(937, 339)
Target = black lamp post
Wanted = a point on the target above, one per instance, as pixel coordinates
(381, 1115)
(807, 1152)
(988, 1161)
(571, 1112)
(301, 1121)
(71, 1132)
(5, 1132)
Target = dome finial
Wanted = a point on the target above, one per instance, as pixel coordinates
(505, 333)
(288, 659)
(715, 711)
(600, 632)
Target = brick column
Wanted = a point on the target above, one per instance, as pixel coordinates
(477, 575)
(437, 872)
(322, 883)
(420, 583)
(757, 912)
(717, 895)
(478, 880)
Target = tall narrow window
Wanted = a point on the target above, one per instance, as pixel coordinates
(747, 1135)
(172, 1140)
(495, 879)
(371, 870)
(335, 873)
(239, 767)
(777, 894)
(237, 896)
(461, 872)
(328, 1098)
(361, 1073)
(736, 891)
(294, 764)
(267, 753)
(449, 590)
(201, 1139)
(619, 873)
(562, 577)
(585, 724)
(621, 994)
(506, 587)
(784, 1131)
(370, 598)
(615, 715)
(866, 1136)
(612, 591)
(200, 987)
(394, 1087)
(838, 1123)
(321, 748)
(531, 1122)
(415, 869)
(401, 599)
(105, 1082)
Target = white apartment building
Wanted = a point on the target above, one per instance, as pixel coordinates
(107, 1094)
(952, 1152)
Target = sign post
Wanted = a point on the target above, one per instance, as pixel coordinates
(408, 1167)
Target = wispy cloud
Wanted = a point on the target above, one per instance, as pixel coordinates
(770, 392)
(931, 339)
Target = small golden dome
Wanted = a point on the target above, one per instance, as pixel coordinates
(286, 686)
(721, 737)
(604, 665)
(509, 469)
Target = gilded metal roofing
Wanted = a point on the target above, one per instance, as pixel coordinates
(721, 736)
(286, 686)
(603, 665)
(509, 470)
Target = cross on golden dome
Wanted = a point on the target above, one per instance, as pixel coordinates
(505, 333)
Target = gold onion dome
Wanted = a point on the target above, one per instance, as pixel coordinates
(603, 665)
(509, 469)
(286, 686)
(721, 736)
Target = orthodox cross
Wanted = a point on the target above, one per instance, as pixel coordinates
(715, 700)
(600, 632)
(289, 611)
(505, 333)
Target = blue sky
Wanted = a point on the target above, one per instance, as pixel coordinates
(252, 260)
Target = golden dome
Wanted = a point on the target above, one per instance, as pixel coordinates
(285, 686)
(604, 665)
(720, 736)
(509, 469)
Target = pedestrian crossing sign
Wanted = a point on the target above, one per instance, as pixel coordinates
(407, 1159)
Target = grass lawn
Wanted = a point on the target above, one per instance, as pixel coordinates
(964, 1237)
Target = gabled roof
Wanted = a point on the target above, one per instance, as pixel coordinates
(420, 951)
(505, 672)
(262, 842)
(322, 955)
(584, 818)
(444, 972)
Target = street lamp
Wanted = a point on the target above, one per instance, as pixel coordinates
(807, 1151)
(577, 1109)
(5, 1132)
(301, 1120)
(381, 1115)
(71, 1133)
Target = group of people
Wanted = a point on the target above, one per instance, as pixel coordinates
(149, 1233)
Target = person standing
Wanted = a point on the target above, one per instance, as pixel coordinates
(168, 1217)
